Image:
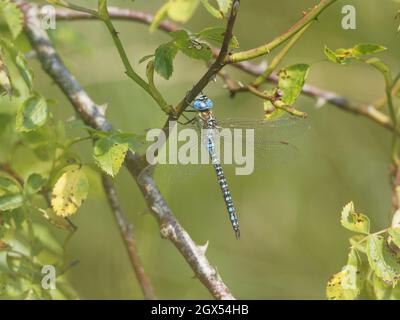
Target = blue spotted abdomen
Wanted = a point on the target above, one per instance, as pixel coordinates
(223, 185)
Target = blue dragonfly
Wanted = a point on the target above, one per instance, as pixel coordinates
(207, 121)
(265, 146)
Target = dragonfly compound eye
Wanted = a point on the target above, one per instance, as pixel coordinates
(202, 103)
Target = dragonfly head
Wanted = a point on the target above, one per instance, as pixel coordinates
(203, 103)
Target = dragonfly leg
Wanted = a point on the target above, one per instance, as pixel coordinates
(188, 120)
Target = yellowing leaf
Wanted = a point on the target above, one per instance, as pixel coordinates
(159, 16)
(353, 221)
(182, 10)
(346, 284)
(334, 290)
(70, 191)
(109, 154)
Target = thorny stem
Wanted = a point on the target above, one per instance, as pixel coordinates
(127, 235)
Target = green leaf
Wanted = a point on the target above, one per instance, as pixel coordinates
(291, 82)
(353, 221)
(34, 183)
(346, 285)
(32, 114)
(182, 10)
(69, 192)
(191, 47)
(164, 57)
(395, 234)
(383, 291)
(216, 34)
(12, 16)
(5, 81)
(19, 60)
(10, 194)
(383, 260)
(109, 154)
(367, 48)
(346, 56)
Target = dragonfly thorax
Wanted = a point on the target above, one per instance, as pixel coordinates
(203, 103)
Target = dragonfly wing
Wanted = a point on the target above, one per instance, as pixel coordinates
(279, 129)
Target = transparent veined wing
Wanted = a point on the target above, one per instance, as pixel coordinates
(251, 144)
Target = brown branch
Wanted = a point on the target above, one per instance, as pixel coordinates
(367, 110)
(93, 116)
(117, 14)
(127, 235)
(5, 167)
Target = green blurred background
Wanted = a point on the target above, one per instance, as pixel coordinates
(292, 241)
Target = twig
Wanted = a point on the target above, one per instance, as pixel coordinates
(127, 235)
(276, 103)
(93, 116)
(5, 167)
(367, 110)
(117, 14)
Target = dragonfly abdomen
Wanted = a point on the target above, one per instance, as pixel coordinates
(228, 198)
(223, 185)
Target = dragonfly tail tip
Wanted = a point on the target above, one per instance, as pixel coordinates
(237, 234)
